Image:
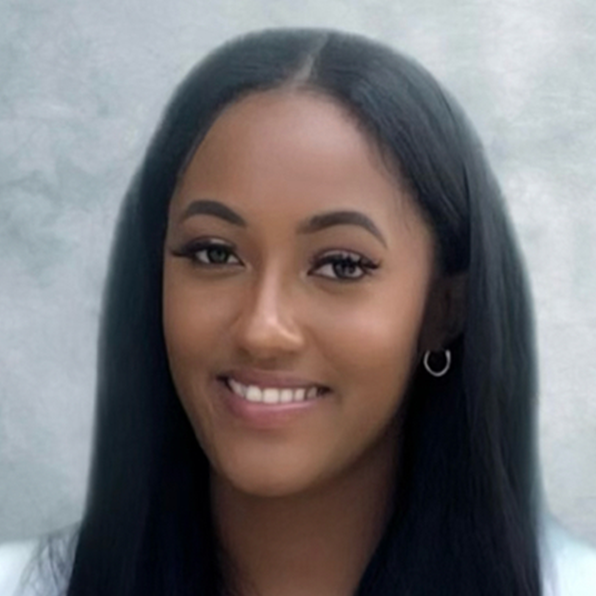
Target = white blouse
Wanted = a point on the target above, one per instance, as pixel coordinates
(569, 564)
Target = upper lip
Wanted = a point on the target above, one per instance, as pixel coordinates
(269, 379)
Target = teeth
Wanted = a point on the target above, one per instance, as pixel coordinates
(237, 388)
(272, 395)
(253, 394)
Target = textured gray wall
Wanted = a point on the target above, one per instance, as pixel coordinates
(81, 86)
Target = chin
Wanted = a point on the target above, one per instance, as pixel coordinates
(268, 481)
(270, 488)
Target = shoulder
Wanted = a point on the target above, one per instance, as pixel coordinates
(14, 560)
(569, 563)
(26, 567)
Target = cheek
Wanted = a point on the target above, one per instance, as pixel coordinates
(192, 331)
(182, 324)
(192, 324)
(374, 344)
(192, 320)
(182, 321)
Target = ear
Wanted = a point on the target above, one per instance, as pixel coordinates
(445, 312)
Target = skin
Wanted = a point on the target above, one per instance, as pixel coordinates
(271, 303)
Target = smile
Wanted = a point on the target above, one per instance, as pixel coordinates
(274, 395)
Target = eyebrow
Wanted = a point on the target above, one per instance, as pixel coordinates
(339, 218)
(314, 224)
(215, 208)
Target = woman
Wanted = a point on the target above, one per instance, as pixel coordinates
(317, 362)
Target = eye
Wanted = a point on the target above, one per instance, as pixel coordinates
(343, 265)
(209, 253)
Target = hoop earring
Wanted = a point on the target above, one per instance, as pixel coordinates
(437, 373)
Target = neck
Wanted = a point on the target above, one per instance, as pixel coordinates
(313, 544)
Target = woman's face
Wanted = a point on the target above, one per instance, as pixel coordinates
(296, 278)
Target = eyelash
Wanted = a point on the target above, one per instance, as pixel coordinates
(334, 259)
(191, 250)
(344, 258)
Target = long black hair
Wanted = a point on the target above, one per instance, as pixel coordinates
(466, 519)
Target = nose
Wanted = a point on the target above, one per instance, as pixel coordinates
(268, 327)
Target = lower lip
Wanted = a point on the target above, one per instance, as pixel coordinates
(262, 415)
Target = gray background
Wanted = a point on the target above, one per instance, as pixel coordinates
(81, 86)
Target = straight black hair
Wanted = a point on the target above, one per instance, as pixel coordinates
(466, 519)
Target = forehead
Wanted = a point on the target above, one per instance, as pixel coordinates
(294, 151)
